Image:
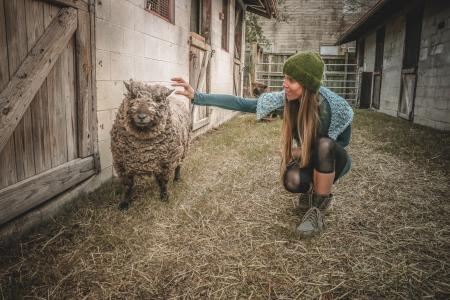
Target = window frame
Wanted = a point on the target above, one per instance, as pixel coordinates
(170, 19)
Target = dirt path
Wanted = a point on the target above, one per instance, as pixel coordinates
(228, 230)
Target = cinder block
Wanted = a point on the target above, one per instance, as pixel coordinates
(121, 66)
(103, 9)
(441, 103)
(139, 15)
(153, 47)
(104, 148)
(442, 126)
(109, 94)
(134, 42)
(108, 36)
(146, 69)
(103, 65)
(122, 13)
(102, 31)
(105, 121)
(117, 38)
(439, 115)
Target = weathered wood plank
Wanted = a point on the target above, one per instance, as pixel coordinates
(84, 71)
(94, 121)
(42, 143)
(57, 114)
(7, 155)
(79, 4)
(69, 99)
(39, 109)
(4, 71)
(50, 12)
(23, 135)
(22, 196)
(17, 96)
(17, 51)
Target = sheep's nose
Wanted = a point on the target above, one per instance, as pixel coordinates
(142, 116)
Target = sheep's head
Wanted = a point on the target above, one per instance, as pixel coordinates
(147, 105)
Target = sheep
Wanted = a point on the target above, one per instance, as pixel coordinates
(150, 136)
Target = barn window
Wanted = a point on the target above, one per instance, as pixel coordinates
(224, 16)
(162, 8)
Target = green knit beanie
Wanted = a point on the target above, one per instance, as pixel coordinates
(306, 68)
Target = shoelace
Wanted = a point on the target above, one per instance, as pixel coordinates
(314, 215)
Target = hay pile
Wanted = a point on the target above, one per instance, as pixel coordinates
(229, 230)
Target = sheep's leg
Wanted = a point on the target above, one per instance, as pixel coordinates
(177, 174)
(162, 182)
(128, 181)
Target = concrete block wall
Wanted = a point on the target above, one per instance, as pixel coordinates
(392, 65)
(432, 102)
(133, 43)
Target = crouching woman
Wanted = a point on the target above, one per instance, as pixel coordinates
(315, 131)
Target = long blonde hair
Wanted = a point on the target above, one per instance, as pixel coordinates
(307, 124)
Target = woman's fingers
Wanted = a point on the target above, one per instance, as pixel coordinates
(178, 79)
(185, 85)
(188, 91)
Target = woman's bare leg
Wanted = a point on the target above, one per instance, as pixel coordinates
(323, 182)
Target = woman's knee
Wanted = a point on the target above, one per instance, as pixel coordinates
(295, 180)
(325, 146)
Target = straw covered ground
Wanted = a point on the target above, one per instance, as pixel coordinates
(228, 230)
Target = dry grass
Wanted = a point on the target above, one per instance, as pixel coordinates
(228, 230)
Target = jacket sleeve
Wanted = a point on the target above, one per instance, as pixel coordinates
(226, 101)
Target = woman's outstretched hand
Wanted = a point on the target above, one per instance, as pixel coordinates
(187, 91)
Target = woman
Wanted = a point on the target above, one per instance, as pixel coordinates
(316, 128)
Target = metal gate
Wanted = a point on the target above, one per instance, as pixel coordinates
(339, 76)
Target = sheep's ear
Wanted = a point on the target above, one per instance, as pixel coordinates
(165, 92)
(130, 88)
(127, 85)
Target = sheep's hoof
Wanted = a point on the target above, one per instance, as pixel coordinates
(124, 205)
(177, 179)
(164, 197)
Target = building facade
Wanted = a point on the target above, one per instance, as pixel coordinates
(404, 60)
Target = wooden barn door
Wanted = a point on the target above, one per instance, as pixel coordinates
(199, 57)
(47, 108)
(365, 89)
(410, 63)
(378, 71)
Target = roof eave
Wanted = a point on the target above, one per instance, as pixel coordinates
(381, 11)
(264, 8)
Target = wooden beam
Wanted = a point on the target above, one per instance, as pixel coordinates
(78, 4)
(94, 121)
(199, 43)
(18, 94)
(84, 85)
(22, 196)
